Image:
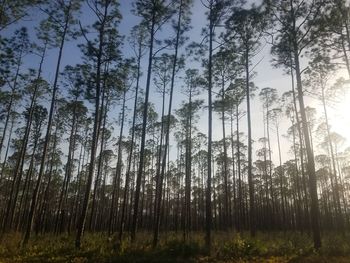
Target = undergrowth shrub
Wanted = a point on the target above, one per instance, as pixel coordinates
(289, 244)
(227, 247)
(179, 248)
(335, 245)
(239, 247)
(10, 244)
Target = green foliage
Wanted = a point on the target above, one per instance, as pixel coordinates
(240, 248)
(336, 245)
(14, 10)
(227, 247)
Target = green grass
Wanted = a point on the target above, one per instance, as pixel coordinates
(227, 247)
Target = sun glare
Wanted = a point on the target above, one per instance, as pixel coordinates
(339, 116)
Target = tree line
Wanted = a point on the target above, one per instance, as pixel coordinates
(90, 152)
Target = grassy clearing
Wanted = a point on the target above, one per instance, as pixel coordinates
(273, 247)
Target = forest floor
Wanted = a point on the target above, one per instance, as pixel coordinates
(227, 247)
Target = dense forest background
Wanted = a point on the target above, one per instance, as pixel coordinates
(158, 116)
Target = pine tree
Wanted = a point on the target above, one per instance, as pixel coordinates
(60, 19)
(102, 51)
(153, 13)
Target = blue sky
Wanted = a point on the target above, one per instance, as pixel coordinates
(266, 75)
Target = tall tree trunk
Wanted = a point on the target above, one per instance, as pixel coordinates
(143, 136)
(210, 106)
(273, 208)
(315, 224)
(340, 221)
(252, 221)
(8, 110)
(8, 218)
(7, 151)
(43, 209)
(281, 178)
(47, 136)
(167, 132)
(103, 117)
(234, 214)
(128, 170)
(79, 179)
(26, 185)
(95, 135)
(20, 160)
(68, 170)
(301, 150)
(116, 186)
(159, 161)
(345, 22)
(240, 192)
(188, 150)
(227, 222)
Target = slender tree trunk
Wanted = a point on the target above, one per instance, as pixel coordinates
(240, 196)
(187, 218)
(44, 206)
(127, 174)
(14, 89)
(296, 179)
(227, 221)
(159, 160)
(7, 151)
(273, 203)
(346, 57)
(8, 110)
(95, 135)
(340, 221)
(20, 160)
(167, 132)
(267, 212)
(210, 84)
(301, 150)
(345, 22)
(68, 169)
(28, 176)
(310, 156)
(143, 136)
(281, 178)
(79, 179)
(8, 219)
(47, 136)
(95, 193)
(115, 197)
(250, 174)
(234, 215)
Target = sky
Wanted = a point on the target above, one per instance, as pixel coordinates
(266, 76)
